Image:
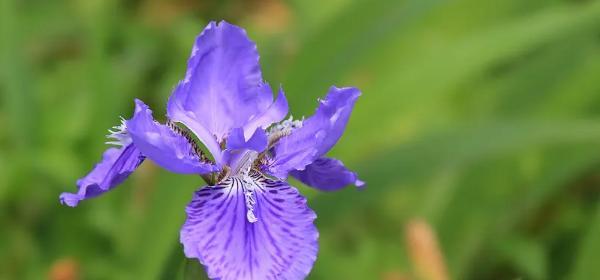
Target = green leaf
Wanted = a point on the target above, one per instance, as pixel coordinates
(586, 262)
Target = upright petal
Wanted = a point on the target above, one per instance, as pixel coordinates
(115, 167)
(275, 113)
(176, 112)
(257, 142)
(241, 153)
(251, 228)
(317, 135)
(168, 148)
(327, 174)
(223, 86)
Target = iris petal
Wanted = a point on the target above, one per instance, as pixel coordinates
(176, 112)
(223, 88)
(251, 228)
(317, 135)
(257, 142)
(275, 113)
(116, 165)
(327, 174)
(164, 146)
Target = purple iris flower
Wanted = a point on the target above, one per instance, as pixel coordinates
(248, 222)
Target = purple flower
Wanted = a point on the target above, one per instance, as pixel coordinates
(248, 223)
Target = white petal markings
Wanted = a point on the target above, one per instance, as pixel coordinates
(280, 244)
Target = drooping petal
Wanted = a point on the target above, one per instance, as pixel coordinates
(251, 228)
(163, 145)
(327, 174)
(223, 86)
(115, 167)
(317, 135)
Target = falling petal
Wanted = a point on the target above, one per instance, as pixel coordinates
(327, 174)
(271, 237)
(116, 165)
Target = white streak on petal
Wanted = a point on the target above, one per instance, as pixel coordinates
(280, 244)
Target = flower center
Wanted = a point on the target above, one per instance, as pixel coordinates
(241, 165)
(245, 163)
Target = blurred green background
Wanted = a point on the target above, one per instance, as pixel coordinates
(479, 124)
